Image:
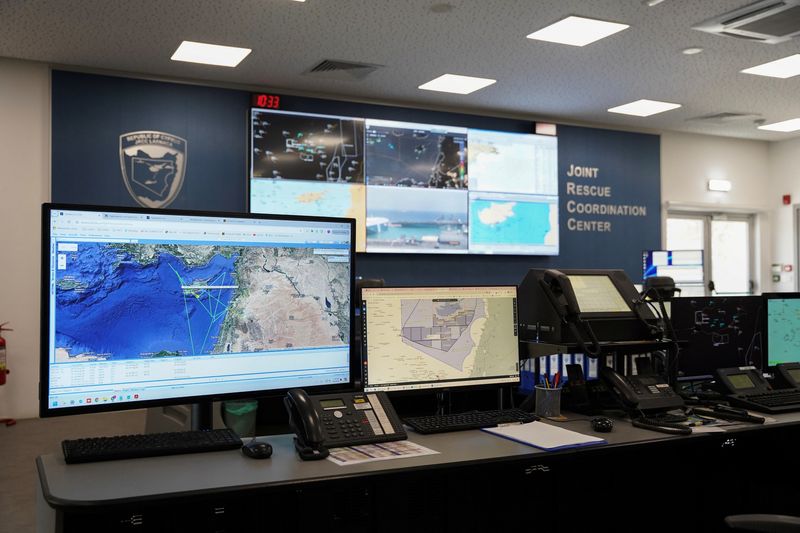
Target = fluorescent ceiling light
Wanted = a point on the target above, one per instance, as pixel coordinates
(780, 68)
(719, 185)
(210, 54)
(577, 31)
(786, 125)
(453, 83)
(643, 108)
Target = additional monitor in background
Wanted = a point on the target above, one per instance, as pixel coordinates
(605, 299)
(716, 332)
(513, 193)
(781, 327)
(683, 266)
(417, 179)
(307, 164)
(417, 220)
(405, 154)
(150, 307)
(439, 337)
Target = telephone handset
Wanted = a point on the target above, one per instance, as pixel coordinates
(558, 289)
(345, 419)
(645, 393)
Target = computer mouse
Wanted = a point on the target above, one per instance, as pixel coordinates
(257, 449)
(602, 424)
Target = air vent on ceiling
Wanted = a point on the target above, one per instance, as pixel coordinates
(343, 70)
(767, 21)
(725, 117)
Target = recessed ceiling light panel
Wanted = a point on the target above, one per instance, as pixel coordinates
(644, 108)
(210, 54)
(780, 68)
(785, 126)
(454, 83)
(577, 31)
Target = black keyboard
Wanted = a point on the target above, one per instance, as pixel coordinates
(776, 401)
(148, 445)
(470, 420)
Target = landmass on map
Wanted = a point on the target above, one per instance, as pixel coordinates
(123, 301)
(441, 328)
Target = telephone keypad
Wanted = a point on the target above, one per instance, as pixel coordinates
(344, 426)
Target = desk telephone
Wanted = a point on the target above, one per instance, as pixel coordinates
(336, 420)
(643, 392)
(745, 386)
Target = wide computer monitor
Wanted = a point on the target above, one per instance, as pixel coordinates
(781, 328)
(419, 338)
(144, 307)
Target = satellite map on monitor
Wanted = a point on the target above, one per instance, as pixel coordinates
(195, 300)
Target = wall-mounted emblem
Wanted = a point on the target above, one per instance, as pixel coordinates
(153, 166)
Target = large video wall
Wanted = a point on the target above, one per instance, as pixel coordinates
(125, 141)
(413, 188)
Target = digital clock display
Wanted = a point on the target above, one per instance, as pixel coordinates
(266, 101)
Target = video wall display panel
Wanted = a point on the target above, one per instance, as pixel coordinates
(412, 187)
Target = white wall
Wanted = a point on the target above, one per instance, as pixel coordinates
(24, 185)
(688, 161)
(784, 173)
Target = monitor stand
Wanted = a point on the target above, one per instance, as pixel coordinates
(182, 418)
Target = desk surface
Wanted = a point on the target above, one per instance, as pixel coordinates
(120, 482)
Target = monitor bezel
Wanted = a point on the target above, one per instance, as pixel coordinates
(766, 297)
(464, 387)
(44, 364)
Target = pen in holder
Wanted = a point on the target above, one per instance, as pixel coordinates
(548, 401)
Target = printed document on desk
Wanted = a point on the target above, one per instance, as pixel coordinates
(544, 436)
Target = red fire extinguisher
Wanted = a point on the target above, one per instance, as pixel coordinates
(3, 370)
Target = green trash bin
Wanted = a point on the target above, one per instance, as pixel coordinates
(240, 416)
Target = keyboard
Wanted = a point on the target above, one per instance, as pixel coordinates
(148, 445)
(775, 401)
(470, 420)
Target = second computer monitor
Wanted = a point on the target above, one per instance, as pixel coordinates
(418, 338)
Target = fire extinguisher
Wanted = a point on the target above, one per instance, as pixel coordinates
(3, 370)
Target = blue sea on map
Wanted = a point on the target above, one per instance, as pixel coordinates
(125, 309)
(529, 224)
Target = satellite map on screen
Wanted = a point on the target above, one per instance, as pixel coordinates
(196, 300)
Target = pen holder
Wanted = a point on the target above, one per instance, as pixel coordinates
(548, 402)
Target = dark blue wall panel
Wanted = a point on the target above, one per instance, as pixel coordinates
(91, 112)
